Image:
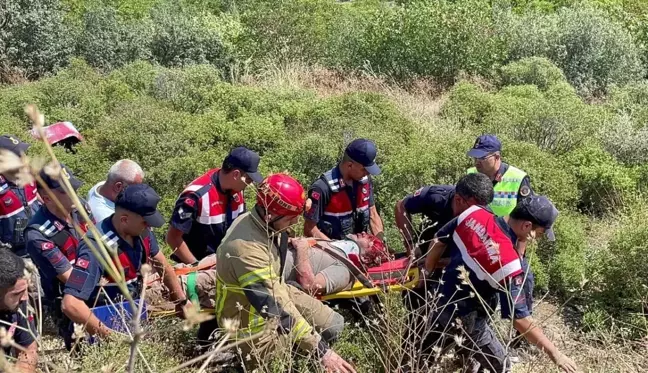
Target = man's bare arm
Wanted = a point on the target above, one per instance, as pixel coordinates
(78, 311)
(179, 247)
(536, 336)
(404, 224)
(311, 230)
(28, 359)
(312, 283)
(433, 259)
(165, 270)
(375, 222)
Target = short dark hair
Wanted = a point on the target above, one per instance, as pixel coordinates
(477, 186)
(12, 268)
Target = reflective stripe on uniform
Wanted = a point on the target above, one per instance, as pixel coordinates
(255, 276)
(301, 329)
(505, 191)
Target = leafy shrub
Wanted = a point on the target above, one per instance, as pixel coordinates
(536, 71)
(34, 40)
(556, 120)
(430, 38)
(109, 42)
(184, 38)
(623, 290)
(593, 51)
(604, 183)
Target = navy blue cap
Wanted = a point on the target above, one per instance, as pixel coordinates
(12, 143)
(142, 200)
(57, 184)
(247, 161)
(485, 145)
(540, 211)
(364, 151)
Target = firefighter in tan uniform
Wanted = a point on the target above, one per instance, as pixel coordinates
(250, 289)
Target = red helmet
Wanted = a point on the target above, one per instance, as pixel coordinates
(281, 195)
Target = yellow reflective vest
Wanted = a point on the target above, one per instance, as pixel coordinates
(506, 190)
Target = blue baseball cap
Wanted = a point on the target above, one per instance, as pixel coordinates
(540, 211)
(142, 200)
(246, 160)
(364, 151)
(57, 183)
(13, 144)
(485, 145)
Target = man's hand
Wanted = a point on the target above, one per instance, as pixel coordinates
(300, 244)
(334, 363)
(181, 307)
(566, 364)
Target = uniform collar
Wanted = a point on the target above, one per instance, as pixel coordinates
(216, 182)
(500, 173)
(56, 221)
(107, 226)
(501, 222)
(262, 225)
(337, 175)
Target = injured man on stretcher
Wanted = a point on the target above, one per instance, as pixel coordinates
(318, 267)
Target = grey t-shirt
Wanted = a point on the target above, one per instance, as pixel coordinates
(337, 275)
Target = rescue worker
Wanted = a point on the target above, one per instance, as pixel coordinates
(249, 266)
(510, 183)
(321, 273)
(101, 198)
(484, 262)
(442, 203)
(19, 325)
(52, 242)
(127, 231)
(343, 197)
(208, 206)
(18, 204)
(438, 204)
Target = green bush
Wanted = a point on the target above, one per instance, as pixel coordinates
(34, 40)
(536, 71)
(593, 51)
(182, 37)
(623, 292)
(109, 42)
(437, 38)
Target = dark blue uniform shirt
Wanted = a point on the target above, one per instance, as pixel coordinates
(19, 328)
(435, 203)
(51, 259)
(87, 271)
(455, 292)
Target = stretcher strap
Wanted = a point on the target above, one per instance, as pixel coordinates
(191, 289)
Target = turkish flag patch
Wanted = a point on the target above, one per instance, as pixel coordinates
(47, 246)
(190, 202)
(418, 192)
(82, 263)
(315, 196)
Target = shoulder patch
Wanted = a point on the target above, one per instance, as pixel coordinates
(45, 246)
(190, 202)
(519, 280)
(82, 263)
(315, 195)
(525, 191)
